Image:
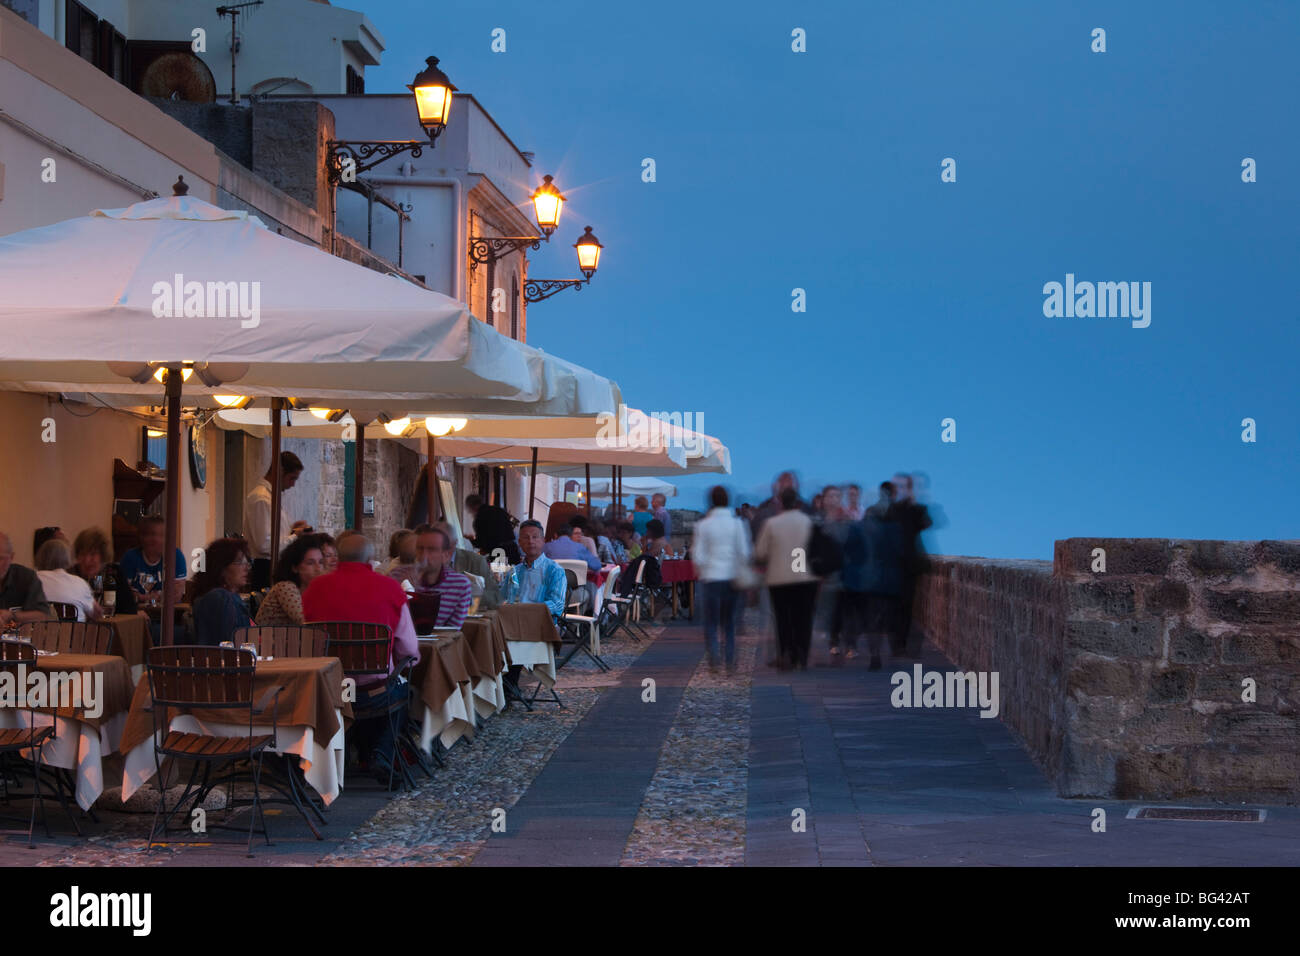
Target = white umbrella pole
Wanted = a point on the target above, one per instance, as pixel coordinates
(532, 485)
(174, 382)
(588, 470)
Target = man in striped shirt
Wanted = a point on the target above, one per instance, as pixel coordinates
(433, 574)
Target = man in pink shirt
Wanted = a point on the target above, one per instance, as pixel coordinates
(355, 592)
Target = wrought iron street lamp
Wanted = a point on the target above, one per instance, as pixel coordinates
(548, 202)
(588, 247)
(432, 91)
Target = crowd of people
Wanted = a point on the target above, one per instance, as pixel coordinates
(833, 566)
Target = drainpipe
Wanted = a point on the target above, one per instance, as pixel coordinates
(458, 253)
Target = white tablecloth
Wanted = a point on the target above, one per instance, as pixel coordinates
(536, 657)
(77, 746)
(322, 765)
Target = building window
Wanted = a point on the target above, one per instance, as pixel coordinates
(356, 82)
(81, 32)
(94, 40)
(514, 307)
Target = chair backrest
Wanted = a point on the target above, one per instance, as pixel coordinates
(70, 637)
(289, 640)
(579, 568)
(571, 597)
(63, 611)
(611, 582)
(189, 676)
(364, 649)
(13, 656)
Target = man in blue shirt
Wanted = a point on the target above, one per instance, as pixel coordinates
(538, 579)
(148, 559)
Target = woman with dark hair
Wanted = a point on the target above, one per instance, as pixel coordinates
(656, 545)
(329, 551)
(218, 608)
(299, 564)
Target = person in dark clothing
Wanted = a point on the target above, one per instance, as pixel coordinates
(912, 518)
(493, 529)
(881, 583)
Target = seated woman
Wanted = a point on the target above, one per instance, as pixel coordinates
(631, 543)
(218, 609)
(299, 564)
(656, 545)
(92, 557)
(401, 551)
(52, 563)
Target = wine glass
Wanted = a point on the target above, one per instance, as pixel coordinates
(147, 581)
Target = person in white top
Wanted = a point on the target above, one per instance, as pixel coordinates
(720, 552)
(52, 563)
(783, 548)
(257, 519)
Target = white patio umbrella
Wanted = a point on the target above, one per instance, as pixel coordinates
(580, 452)
(180, 291)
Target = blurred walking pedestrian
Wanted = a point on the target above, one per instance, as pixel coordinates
(720, 550)
(783, 548)
(912, 518)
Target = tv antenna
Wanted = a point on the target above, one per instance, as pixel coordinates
(233, 11)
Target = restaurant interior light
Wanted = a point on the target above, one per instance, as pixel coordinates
(432, 92)
(155, 433)
(547, 204)
(437, 427)
(160, 374)
(397, 427)
(588, 247)
(232, 401)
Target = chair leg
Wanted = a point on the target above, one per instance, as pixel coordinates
(36, 798)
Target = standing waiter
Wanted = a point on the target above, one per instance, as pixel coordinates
(257, 519)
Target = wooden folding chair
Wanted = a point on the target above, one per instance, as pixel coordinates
(69, 637)
(185, 678)
(283, 640)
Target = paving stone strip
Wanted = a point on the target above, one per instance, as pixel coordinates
(447, 821)
(581, 808)
(693, 813)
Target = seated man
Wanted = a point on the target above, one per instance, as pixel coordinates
(20, 589)
(355, 592)
(537, 579)
(473, 563)
(568, 547)
(148, 559)
(432, 574)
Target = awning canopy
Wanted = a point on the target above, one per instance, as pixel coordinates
(92, 304)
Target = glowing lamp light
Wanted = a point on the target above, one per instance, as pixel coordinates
(397, 427)
(432, 92)
(438, 427)
(547, 203)
(231, 401)
(160, 374)
(321, 413)
(155, 433)
(588, 247)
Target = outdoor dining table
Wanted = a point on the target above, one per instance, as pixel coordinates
(131, 641)
(310, 721)
(531, 639)
(458, 680)
(679, 571)
(86, 733)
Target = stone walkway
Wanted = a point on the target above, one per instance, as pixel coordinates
(758, 768)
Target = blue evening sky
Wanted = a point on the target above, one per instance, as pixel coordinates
(821, 170)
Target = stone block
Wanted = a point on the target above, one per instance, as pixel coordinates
(1220, 557)
(1141, 639)
(1188, 645)
(1112, 597)
(1163, 596)
(1099, 677)
(1150, 775)
(1238, 605)
(1169, 687)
